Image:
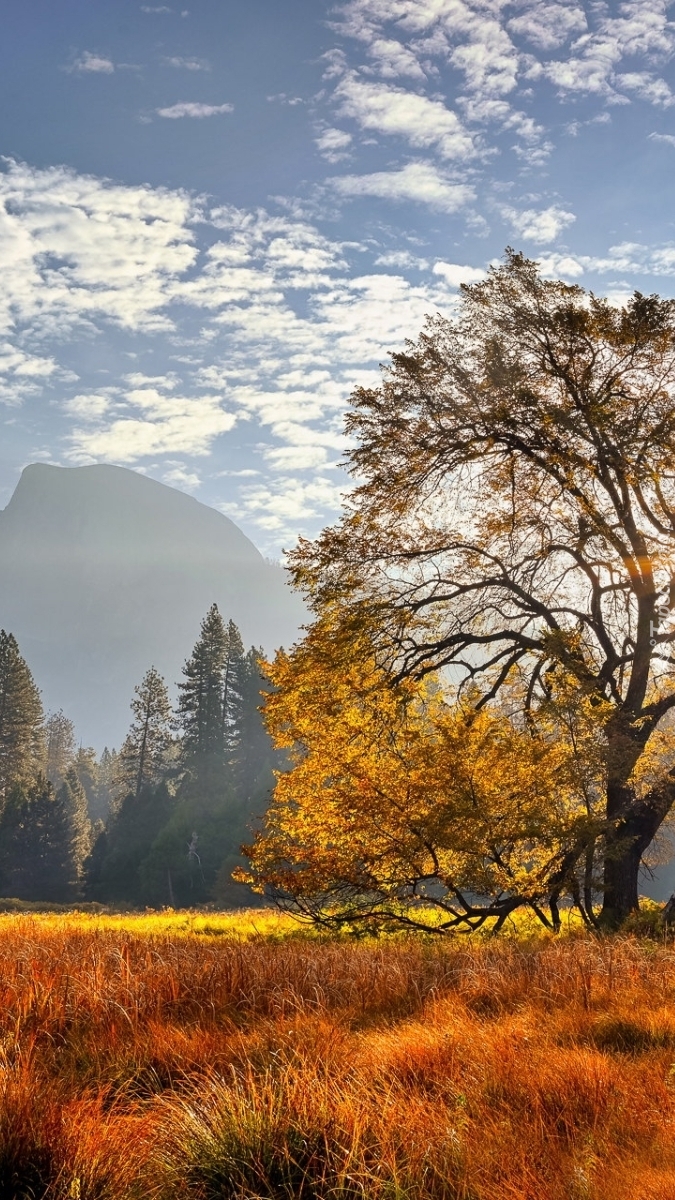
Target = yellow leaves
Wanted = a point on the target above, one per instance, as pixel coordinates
(657, 760)
(391, 785)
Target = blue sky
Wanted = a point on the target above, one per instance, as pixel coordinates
(218, 219)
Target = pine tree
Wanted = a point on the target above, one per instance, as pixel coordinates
(113, 865)
(234, 686)
(143, 756)
(75, 830)
(252, 759)
(107, 789)
(182, 862)
(85, 766)
(201, 715)
(60, 746)
(44, 839)
(21, 729)
(254, 756)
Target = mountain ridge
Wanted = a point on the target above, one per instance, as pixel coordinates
(104, 572)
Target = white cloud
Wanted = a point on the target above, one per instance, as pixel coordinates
(392, 111)
(146, 422)
(76, 249)
(333, 143)
(419, 181)
(641, 30)
(624, 259)
(96, 64)
(548, 25)
(561, 266)
(467, 34)
(16, 362)
(646, 87)
(297, 457)
(284, 98)
(454, 275)
(393, 59)
(634, 258)
(90, 406)
(192, 109)
(496, 49)
(180, 476)
(668, 138)
(187, 64)
(538, 226)
(285, 504)
(156, 8)
(23, 374)
(403, 259)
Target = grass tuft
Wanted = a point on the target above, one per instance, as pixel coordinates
(151, 1057)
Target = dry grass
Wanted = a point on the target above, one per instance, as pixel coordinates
(155, 1064)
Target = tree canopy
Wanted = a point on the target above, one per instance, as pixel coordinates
(513, 523)
(403, 808)
(21, 732)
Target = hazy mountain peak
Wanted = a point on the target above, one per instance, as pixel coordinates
(105, 572)
(115, 509)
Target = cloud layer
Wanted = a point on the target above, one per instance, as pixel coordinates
(195, 338)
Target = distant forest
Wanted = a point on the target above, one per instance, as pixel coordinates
(157, 822)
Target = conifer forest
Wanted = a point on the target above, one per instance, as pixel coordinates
(157, 821)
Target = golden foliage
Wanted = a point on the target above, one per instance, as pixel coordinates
(400, 805)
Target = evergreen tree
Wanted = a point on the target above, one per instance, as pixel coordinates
(234, 684)
(44, 838)
(254, 756)
(182, 863)
(21, 730)
(253, 759)
(201, 716)
(107, 785)
(75, 829)
(85, 766)
(60, 746)
(143, 756)
(119, 850)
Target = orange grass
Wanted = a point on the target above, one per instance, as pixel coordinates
(134, 1065)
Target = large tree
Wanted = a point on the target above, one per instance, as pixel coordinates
(59, 746)
(21, 730)
(402, 808)
(44, 840)
(143, 757)
(514, 521)
(200, 707)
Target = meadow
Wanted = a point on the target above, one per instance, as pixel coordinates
(218, 1055)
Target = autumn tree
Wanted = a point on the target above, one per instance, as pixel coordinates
(514, 517)
(403, 807)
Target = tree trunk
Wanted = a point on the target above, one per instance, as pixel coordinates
(634, 825)
(621, 870)
(631, 827)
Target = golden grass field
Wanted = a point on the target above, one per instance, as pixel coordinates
(201, 1056)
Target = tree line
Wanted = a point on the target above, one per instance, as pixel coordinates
(157, 822)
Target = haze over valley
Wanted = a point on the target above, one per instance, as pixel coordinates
(105, 572)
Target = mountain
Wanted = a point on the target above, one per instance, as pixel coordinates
(104, 572)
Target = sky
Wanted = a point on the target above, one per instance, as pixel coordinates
(216, 221)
